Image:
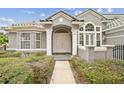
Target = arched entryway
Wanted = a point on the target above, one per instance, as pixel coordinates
(62, 40)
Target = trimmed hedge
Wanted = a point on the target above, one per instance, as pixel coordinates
(99, 72)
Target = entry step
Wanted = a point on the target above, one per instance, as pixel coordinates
(62, 57)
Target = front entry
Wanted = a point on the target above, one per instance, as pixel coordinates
(62, 41)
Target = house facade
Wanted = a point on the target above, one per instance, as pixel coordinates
(89, 35)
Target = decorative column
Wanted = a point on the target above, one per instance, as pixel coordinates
(74, 42)
(49, 41)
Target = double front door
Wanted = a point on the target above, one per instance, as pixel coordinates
(62, 43)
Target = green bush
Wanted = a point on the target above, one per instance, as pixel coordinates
(4, 54)
(16, 70)
(15, 73)
(43, 70)
(101, 72)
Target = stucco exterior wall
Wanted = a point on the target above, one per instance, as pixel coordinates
(14, 40)
(61, 21)
(43, 40)
(82, 53)
(115, 40)
(115, 36)
(12, 36)
(90, 54)
(89, 17)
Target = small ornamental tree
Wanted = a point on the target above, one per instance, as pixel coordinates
(3, 41)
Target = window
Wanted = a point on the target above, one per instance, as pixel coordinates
(25, 40)
(90, 35)
(98, 39)
(81, 29)
(38, 40)
(87, 39)
(89, 27)
(97, 28)
(92, 39)
(81, 39)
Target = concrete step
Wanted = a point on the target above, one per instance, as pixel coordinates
(62, 57)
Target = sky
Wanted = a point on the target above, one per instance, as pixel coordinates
(10, 16)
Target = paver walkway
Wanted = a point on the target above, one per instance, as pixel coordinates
(62, 73)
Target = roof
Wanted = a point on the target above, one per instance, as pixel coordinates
(61, 12)
(116, 22)
(92, 11)
(112, 16)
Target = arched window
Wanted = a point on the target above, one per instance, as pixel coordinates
(89, 27)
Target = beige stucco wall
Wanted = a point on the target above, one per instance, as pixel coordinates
(90, 17)
(65, 21)
(12, 36)
(91, 54)
(43, 40)
(14, 40)
(115, 36)
(82, 53)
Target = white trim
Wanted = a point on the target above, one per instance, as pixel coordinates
(113, 28)
(24, 40)
(84, 36)
(100, 49)
(37, 40)
(116, 31)
(91, 32)
(43, 49)
(101, 35)
(115, 36)
(108, 45)
(82, 47)
(89, 23)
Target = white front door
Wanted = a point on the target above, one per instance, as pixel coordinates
(61, 43)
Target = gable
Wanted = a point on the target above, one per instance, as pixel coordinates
(61, 13)
(91, 16)
(61, 18)
(92, 12)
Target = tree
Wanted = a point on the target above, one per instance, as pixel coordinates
(3, 41)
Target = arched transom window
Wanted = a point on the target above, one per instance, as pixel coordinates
(90, 35)
(89, 27)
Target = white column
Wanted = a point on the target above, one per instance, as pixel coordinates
(84, 36)
(49, 40)
(74, 42)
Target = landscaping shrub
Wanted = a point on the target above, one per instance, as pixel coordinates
(15, 73)
(4, 54)
(32, 69)
(43, 70)
(101, 71)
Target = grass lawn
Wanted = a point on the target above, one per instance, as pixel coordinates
(99, 72)
(15, 69)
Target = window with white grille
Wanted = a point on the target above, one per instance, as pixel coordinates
(89, 27)
(90, 35)
(25, 40)
(38, 40)
(98, 39)
(82, 39)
